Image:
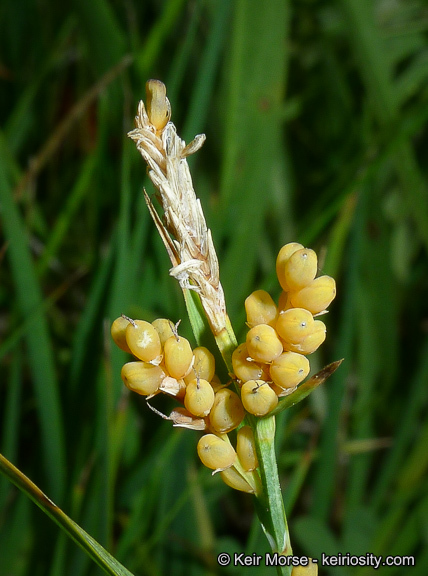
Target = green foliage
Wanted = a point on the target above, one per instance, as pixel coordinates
(316, 119)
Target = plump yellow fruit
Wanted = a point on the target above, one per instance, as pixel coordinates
(312, 341)
(246, 448)
(164, 327)
(243, 368)
(263, 343)
(289, 369)
(215, 453)
(294, 325)
(143, 340)
(283, 256)
(258, 397)
(203, 365)
(232, 478)
(199, 397)
(300, 269)
(260, 309)
(142, 377)
(227, 412)
(316, 296)
(178, 356)
(118, 333)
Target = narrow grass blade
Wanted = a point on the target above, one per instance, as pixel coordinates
(55, 140)
(200, 108)
(39, 346)
(98, 554)
(269, 504)
(64, 221)
(102, 28)
(377, 72)
(409, 427)
(325, 472)
(253, 100)
(149, 52)
(10, 424)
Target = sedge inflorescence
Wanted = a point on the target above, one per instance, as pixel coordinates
(271, 363)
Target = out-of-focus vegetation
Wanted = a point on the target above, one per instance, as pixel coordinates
(316, 115)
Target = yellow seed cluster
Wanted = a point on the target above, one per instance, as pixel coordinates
(272, 361)
(165, 363)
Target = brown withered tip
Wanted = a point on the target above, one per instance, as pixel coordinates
(326, 372)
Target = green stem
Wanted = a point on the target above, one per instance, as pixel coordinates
(227, 343)
(269, 503)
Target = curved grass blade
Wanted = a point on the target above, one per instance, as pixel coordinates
(40, 355)
(98, 554)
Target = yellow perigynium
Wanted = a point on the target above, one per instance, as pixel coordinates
(246, 448)
(227, 412)
(260, 308)
(258, 397)
(282, 258)
(215, 453)
(300, 269)
(316, 296)
(203, 365)
(232, 478)
(164, 327)
(142, 377)
(178, 356)
(312, 341)
(199, 397)
(263, 344)
(143, 340)
(118, 333)
(289, 369)
(294, 325)
(244, 367)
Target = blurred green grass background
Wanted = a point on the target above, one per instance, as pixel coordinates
(316, 116)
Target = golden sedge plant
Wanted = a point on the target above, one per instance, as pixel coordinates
(267, 371)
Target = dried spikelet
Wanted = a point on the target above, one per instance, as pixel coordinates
(183, 228)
